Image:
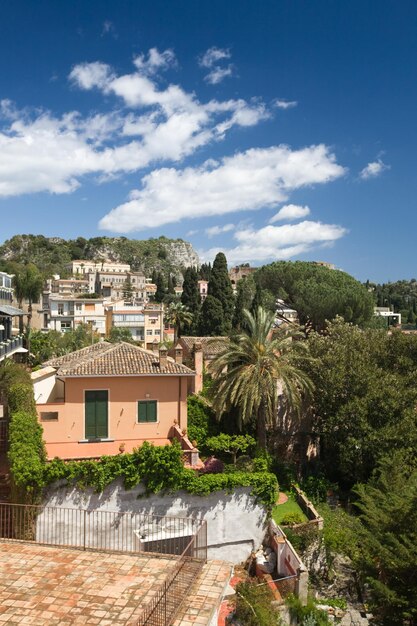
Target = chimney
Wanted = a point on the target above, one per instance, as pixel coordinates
(155, 346)
(198, 366)
(163, 354)
(178, 353)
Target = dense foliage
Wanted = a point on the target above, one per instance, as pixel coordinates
(253, 605)
(160, 468)
(51, 344)
(317, 293)
(364, 399)
(26, 448)
(388, 540)
(51, 255)
(231, 444)
(400, 297)
(247, 371)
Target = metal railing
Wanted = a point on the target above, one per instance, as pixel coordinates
(183, 539)
(10, 345)
(167, 601)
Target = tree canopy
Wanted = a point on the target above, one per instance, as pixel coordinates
(220, 287)
(317, 293)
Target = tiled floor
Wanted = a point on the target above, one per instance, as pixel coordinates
(47, 586)
(206, 595)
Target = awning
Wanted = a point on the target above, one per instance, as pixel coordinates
(20, 350)
(5, 309)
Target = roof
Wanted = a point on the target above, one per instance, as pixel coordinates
(211, 345)
(115, 359)
(5, 309)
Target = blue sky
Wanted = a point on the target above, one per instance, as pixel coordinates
(269, 130)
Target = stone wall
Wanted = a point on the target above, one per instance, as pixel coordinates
(236, 524)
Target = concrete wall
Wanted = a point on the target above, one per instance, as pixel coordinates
(235, 524)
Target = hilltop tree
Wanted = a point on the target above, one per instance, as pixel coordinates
(317, 293)
(247, 371)
(220, 287)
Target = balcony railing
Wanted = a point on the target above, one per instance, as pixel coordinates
(185, 539)
(9, 346)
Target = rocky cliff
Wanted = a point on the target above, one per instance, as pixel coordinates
(52, 254)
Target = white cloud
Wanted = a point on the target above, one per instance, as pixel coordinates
(247, 181)
(156, 61)
(290, 212)
(89, 75)
(278, 242)
(217, 230)
(217, 74)
(285, 104)
(42, 152)
(210, 59)
(213, 55)
(373, 169)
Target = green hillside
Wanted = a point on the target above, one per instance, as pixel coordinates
(51, 254)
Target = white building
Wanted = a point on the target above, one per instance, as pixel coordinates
(391, 318)
(66, 313)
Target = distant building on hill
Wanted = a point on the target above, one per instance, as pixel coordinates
(238, 272)
(393, 319)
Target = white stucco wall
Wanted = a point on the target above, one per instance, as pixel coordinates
(235, 523)
(43, 384)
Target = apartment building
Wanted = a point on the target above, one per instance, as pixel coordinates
(64, 313)
(130, 286)
(9, 342)
(83, 267)
(203, 289)
(146, 324)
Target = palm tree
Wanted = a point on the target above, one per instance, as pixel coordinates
(178, 316)
(246, 374)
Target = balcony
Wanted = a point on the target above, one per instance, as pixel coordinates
(11, 346)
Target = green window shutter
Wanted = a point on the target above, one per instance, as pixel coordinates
(101, 415)
(142, 412)
(96, 414)
(90, 415)
(152, 411)
(147, 411)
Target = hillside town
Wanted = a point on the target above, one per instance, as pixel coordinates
(208, 313)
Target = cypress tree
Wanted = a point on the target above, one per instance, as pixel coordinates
(191, 297)
(211, 322)
(220, 287)
(160, 288)
(154, 276)
(244, 297)
(171, 285)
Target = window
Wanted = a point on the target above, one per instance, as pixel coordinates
(51, 416)
(149, 332)
(146, 411)
(78, 306)
(60, 309)
(96, 414)
(157, 331)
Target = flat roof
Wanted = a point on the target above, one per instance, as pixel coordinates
(50, 586)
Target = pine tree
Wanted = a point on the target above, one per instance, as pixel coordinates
(211, 321)
(220, 287)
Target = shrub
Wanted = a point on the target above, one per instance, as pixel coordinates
(201, 421)
(20, 397)
(292, 519)
(306, 615)
(212, 466)
(26, 455)
(253, 605)
(231, 444)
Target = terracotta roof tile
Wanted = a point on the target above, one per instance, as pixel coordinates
(115, 359)
(210, 345)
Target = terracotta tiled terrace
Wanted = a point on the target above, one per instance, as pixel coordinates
(47, 586)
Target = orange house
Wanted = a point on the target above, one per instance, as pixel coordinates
(110, 398)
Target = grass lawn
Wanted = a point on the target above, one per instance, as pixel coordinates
(281, 510)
